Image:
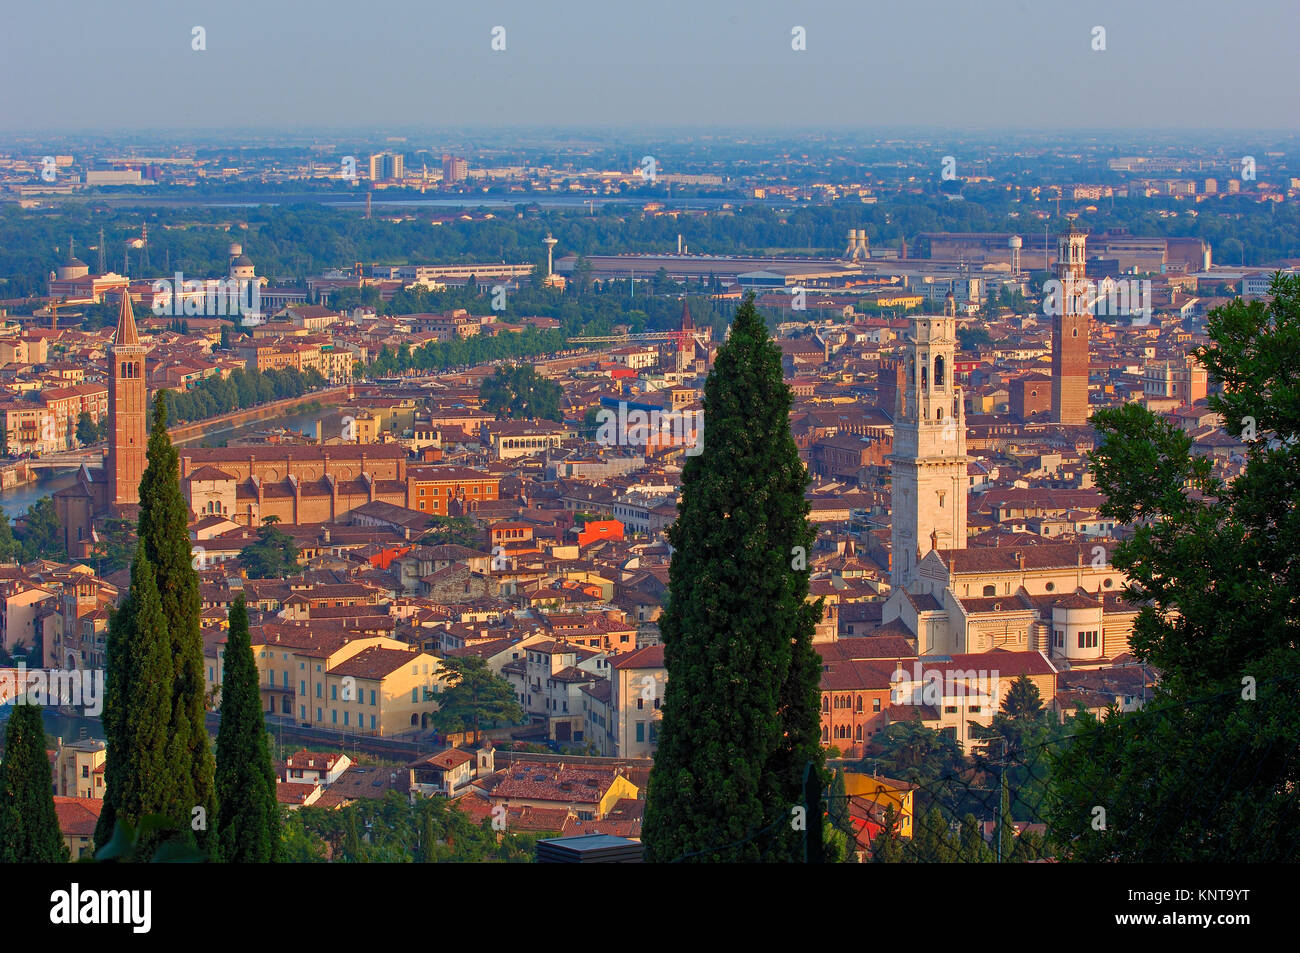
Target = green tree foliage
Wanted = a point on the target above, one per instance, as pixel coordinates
(1016, 747)
(116, 546)
(1207, 770)
(11, 550)
(887, 846)
(29, 826)
(221, 395)
(186, 782)
(909, 751)
(87, 429)
(518, 392)
(42, 532)
(972, 847)
(273, 556)
(299, 239)
(249, 819)
(474, 696)
(452, 530)
(478, 349)
(393, 830)
(738, 628)
(837, 805)
(137, 709)
(933, 841)
(971, 339)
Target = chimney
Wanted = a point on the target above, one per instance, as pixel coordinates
(1020, 559)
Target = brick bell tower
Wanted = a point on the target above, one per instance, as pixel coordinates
(127, 408)
(1070, 333)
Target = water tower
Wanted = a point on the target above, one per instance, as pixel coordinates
(1014, 243)
(550, 244)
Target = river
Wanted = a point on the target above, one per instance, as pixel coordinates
(17, 500)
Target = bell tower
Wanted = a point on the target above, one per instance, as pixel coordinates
(127, 407)
(1070, 332)
(928, 479)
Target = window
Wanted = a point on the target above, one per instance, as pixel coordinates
(372, 722)
(318, 715)
(302, 688)
(974, 709)
(372, 697)
(334, 716)
(345, 718)
(875, 704)
(318, 689)
(640, 703)
(1051, 586)
(640, 731)
(334, 693)
(990, 590)
(950, 709)
(85, 771)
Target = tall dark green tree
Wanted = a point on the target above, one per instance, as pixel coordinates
(137, 708)
(249, 820)
(29, 825)
(186, 782)
(741, 716)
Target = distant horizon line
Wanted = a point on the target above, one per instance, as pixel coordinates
(612, 130)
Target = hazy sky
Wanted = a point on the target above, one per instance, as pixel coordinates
(128, 65)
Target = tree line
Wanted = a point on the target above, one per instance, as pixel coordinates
(214, 396)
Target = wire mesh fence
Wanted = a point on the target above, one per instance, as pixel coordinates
(1216, 779)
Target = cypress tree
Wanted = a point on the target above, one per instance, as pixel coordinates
(741, 717)
(29, 825)
(137, 708)
(973, 848)
(887, 846)
(185, 782)
(249, 820)
(933, 841)
(164, 535)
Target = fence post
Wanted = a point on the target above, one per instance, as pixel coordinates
(814, 850)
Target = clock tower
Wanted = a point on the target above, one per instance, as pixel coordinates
(928, 481)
